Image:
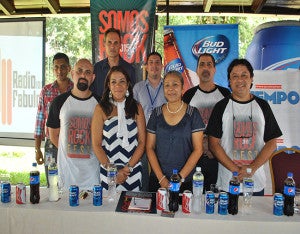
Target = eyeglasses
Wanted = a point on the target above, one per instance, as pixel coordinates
(242, 129)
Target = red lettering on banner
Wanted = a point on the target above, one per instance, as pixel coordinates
(140, 49)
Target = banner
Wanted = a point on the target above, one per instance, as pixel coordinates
(135, 21)
(21, 76)
(281, 89)
(184, 44)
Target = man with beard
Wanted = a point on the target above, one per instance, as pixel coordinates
(204, 97)
(69, 124)
(112, 43)
(62, 84)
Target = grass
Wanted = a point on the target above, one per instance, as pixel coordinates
(12, 154)
(23, 177)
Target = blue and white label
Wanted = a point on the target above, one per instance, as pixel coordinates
(248, 184)
(234, 189)
(289, 190)
(175, 65)
(34, 179)
(217, 45)
(174, 187)
(197, 183)
(53, 172)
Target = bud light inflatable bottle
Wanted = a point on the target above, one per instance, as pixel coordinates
(289, 195)
(234, 191)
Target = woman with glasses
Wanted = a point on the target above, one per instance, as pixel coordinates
(242, 130)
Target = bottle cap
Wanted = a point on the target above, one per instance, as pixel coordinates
(198, 169)
(34, 164)
(175, 171)
(235, 173)
(249, 170)
(290, 174)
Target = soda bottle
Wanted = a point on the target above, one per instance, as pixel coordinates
(53, 180)
(248, 186)
(174, 191)
(289, 195)
(173, 59)
(234, 191)
(34, 184)
(198, 179)
(111, 181)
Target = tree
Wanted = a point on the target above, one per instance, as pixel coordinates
(70, 35)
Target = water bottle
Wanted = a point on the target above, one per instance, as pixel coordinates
(198, 179)
(111, 181)
(53, 180)
(34, 184)
(248, 186)
(289, 195)
(234, 191)
(174, 191)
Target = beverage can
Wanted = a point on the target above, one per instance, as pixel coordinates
(187, 201)
(74, 195)
(278, 204)
(161, 199)
(21, 193)
(97, 195)
(5, 192)
(223, 204)
(209, 202)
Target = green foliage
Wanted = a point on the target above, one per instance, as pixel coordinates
(23, 177)
(12, 154)
(70, 35)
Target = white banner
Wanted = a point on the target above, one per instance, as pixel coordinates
(281, 89)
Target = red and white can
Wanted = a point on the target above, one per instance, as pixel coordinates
(161, 199)
(21, 193)
(187, 201)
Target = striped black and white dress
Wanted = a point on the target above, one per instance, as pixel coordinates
(112, 145)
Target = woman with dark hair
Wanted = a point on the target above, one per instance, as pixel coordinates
(119, 131)
(174, 137)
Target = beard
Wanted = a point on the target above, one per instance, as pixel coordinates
(82, 86)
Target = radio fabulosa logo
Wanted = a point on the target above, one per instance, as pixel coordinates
(18, 90)
(217, 45)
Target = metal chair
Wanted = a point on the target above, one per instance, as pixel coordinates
(281, 162)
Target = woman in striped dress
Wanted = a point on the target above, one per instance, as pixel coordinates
(119, 131)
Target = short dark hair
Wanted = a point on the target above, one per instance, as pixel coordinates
(237, 62)
(112, 30)
(154, 53)
(209, 55)
(176, 73)
(61, 56)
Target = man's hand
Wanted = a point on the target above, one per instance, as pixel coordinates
(39, 156)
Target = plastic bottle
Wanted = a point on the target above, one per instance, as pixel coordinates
(174, 191)
(234, 190)
(198, 179)
(248, 186)
(34, 184)
(53, 180)
(289, 195)
(111, 181)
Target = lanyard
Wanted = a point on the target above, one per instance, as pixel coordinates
(153, 100)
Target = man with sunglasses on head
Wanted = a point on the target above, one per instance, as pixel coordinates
(204, 97)
(242, 130)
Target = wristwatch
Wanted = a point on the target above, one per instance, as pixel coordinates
(181, 179)
(129, 167)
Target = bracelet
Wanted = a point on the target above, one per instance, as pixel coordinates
(161, 179)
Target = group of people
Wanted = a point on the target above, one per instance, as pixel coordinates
(104, 117)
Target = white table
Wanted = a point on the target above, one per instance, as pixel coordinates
(59, 217)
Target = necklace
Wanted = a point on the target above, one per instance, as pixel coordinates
(174, 112)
